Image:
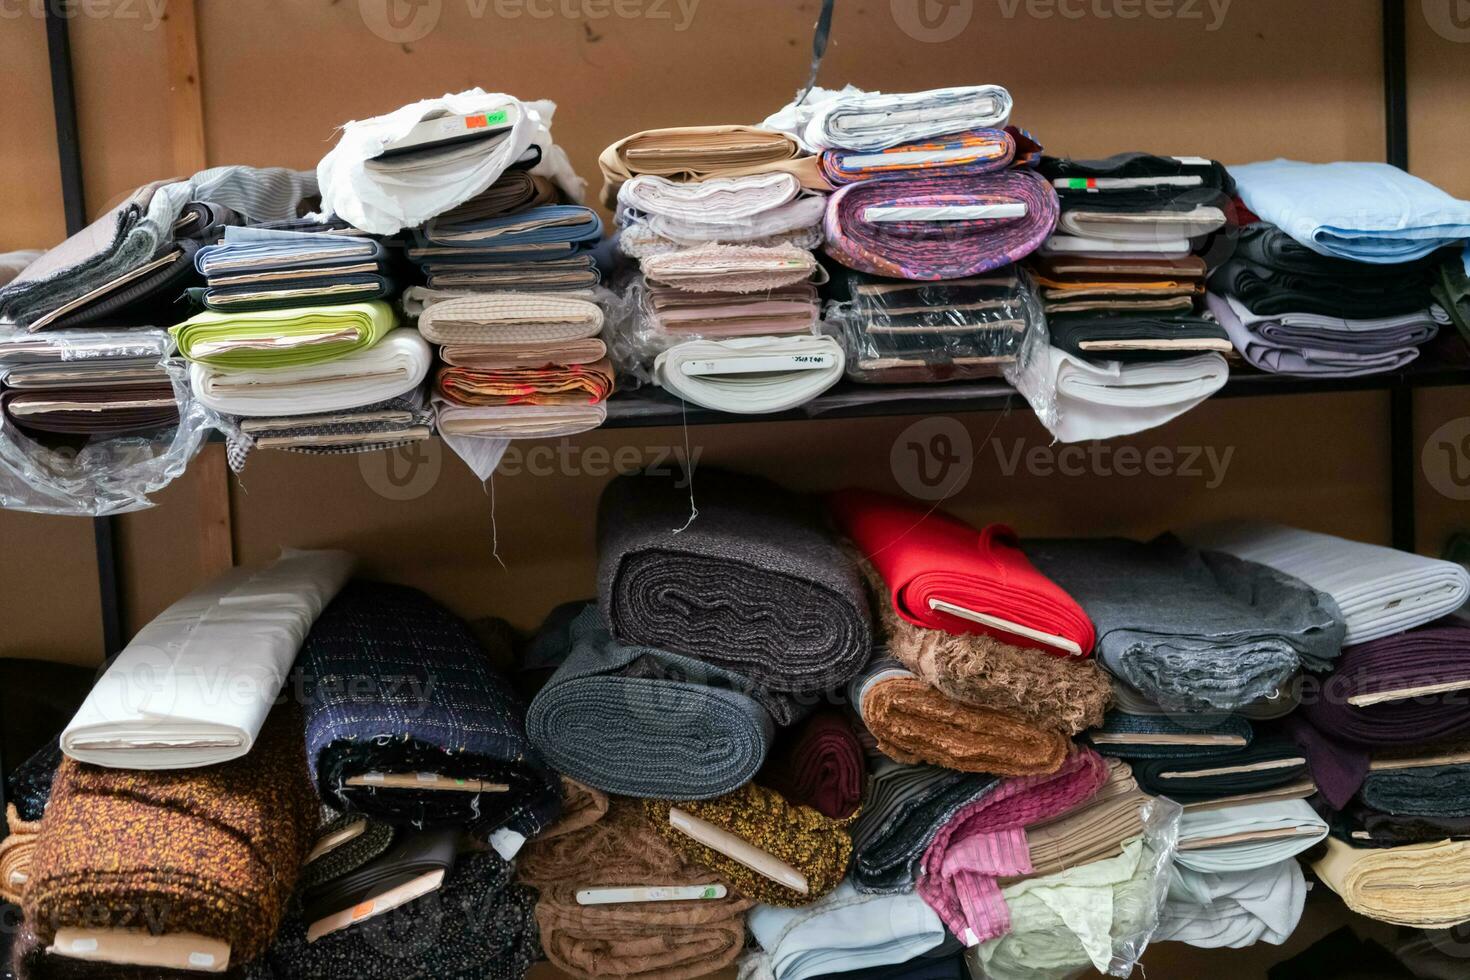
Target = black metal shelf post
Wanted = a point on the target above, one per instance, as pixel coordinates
(1400, 398)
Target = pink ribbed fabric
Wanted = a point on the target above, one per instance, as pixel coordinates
(987, 840)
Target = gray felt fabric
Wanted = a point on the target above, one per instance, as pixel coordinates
(754, 582)
(636, 721)
(1193, 630)
(1425, 791)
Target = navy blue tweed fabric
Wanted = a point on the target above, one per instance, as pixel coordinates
(396, 683)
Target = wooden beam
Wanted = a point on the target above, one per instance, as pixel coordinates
(216, 532)
(186, 102)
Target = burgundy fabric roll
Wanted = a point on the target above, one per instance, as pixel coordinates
(939, 249)
(819, 764)
(1341, 735)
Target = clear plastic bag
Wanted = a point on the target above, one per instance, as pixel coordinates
(1042, 946)
(111, 475)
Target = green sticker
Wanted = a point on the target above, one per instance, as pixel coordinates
(495, 118)
(709, 892)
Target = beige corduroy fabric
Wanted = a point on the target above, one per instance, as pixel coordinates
(510, 318)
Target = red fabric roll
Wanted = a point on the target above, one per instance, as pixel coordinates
(821, 765)
(924, 555)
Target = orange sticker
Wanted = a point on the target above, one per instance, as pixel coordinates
(362, 910)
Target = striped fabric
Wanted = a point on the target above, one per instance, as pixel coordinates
(948, 249)
(980, 151)
(986, 840)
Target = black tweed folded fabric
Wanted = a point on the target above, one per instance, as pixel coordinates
(636, 721)
(753, 582)
(1180, 736)
(1270, 760)
(477, 926)
(1363, 826)
(1423, 791)
(395, 683)
(904, 809)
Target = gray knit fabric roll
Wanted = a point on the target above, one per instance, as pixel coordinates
(754, 583)
(636, 721)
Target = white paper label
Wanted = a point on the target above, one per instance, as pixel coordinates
(507, 843)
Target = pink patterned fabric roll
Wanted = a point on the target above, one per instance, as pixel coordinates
(865, 226)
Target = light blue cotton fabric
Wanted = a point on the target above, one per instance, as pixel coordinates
(1367, 212)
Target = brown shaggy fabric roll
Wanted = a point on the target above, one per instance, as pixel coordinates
(581, 806)
(1068, 694)
(646, 940)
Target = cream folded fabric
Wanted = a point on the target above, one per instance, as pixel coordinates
(852, 119)
(1420, 885)
(194, 686)
(1243, 838)
(798, 225)
(750, 375)
(395, 366)
(1145, 226)
(730, 268)
(699, 152)
(516, 421)
(510, 318)
(1105, 399)
(716, 200)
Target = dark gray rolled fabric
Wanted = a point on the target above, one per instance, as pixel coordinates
(1423, 791)
(1193, 631)
(753, 582)
(637, 721)
(904, 809)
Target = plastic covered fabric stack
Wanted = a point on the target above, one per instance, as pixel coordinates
(723, 311)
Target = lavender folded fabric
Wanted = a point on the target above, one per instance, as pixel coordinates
(939, 227)
(1404, 689)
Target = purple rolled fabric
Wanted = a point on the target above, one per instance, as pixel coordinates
(1339, 736)
(939, 249)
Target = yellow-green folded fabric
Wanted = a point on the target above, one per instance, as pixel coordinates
(264, 339)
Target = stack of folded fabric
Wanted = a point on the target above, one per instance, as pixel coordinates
(586, 931)
(516, 364)
(722, 221)
(1451, 289)
(267, 269)
(326, 379)
(899, 332)
(407, 722)
(86, 382)
(185, 870)
(1291, 310)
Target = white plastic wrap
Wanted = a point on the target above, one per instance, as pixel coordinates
(105, 476)
(1042, 943)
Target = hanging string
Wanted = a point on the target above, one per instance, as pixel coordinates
(820, 33)
(688, 465)
(489, 486)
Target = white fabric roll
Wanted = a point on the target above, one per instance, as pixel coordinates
(841, 932)
(1296, 817)
(718, 199)
(1235, 909)
(386, 203)
(1380, 590)
(852, 119)
(394, 366)
(744, 384)
(195, 685)
(1105, 399)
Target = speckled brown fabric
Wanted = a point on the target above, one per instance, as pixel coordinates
(1069, 694)
(915, 723)
(214, 851)
(817, 846)
(646, 940)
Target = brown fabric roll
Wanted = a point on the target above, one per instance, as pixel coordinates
(817, 846)
(647, 940)
(581, 807)
(1093, 831)
(15, 855)
(214, 851)
(1068, 694)
(914, 723)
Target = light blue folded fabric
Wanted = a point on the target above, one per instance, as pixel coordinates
(842, 932)
(1368, 212)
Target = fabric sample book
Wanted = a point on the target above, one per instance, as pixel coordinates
(754, 583)
(158, 706)
(396, 684)
(639, 721)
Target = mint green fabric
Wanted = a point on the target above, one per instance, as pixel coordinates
(289, 330)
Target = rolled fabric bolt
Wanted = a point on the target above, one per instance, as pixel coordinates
(135, 947)
(736, 849)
